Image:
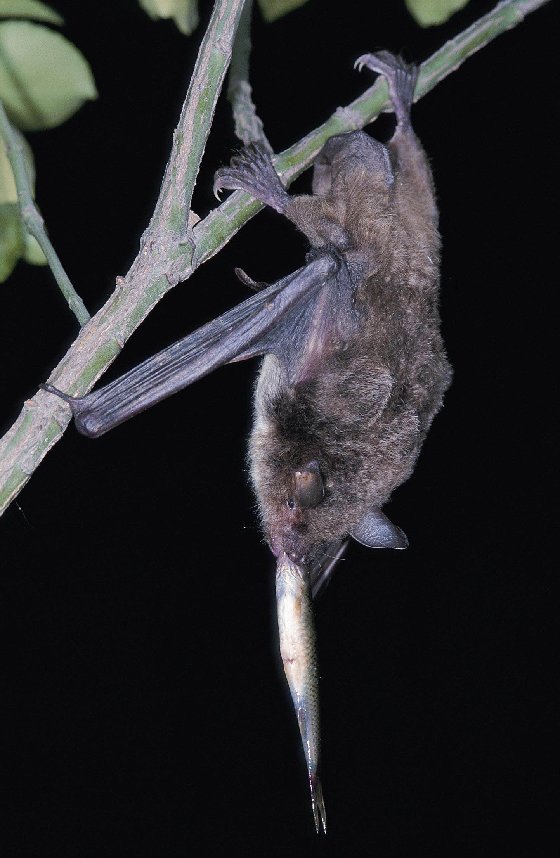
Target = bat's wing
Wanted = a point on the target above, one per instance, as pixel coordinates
(272, 321)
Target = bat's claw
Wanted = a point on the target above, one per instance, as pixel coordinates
(255, 285)
(401, 79)
(251, 170)
(360, 62)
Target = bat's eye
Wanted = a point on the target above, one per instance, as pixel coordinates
(309, 487)
(290, 503)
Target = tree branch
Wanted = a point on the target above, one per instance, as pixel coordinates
(169, 227)
(168, 254)
(32, 220)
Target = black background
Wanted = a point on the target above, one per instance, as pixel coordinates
(147, 709)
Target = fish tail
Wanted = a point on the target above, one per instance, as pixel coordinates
(318, 804)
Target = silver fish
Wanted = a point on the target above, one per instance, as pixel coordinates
(297, 648)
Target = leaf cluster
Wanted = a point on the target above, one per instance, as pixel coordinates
(44, 79)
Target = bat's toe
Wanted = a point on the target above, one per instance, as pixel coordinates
(251, 170)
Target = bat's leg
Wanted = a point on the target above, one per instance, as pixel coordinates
(404, 145)
(252, 170)
(401, 79)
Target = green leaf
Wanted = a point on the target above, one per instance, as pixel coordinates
(273, 9)
(8, 192)
(32, 253)
(183, 12)
(44, 79)
(12, 240)
(430, 12)
(29, 9)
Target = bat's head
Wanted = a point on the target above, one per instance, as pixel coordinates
(311, 492)
(326, 451)
(308, 510)
(291, 512)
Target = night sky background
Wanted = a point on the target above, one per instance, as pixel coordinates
(148, 714)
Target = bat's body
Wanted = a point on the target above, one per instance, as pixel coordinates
(360, 396)
(354, 370)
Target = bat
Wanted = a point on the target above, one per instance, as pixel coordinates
(353, 374)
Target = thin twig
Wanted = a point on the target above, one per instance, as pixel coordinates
(44, 417)
(32, 220)
(248, 126)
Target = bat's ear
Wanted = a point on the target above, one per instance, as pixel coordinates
(376, 531)
(309, 488)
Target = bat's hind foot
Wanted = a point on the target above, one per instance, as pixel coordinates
(401, 79)
(252, 170)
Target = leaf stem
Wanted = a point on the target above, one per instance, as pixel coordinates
(32, 220)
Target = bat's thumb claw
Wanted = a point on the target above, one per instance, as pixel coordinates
(217, 190)
(50, 388)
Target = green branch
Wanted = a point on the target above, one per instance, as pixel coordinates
(169, 255)
(170, 222)
(32, 220)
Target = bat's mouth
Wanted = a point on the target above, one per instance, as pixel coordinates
(316, 566)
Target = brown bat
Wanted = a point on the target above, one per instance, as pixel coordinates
(353, 374)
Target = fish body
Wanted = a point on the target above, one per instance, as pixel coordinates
(297, 648)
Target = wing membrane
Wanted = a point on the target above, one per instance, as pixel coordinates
(254, 327)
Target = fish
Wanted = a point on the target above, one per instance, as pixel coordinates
(297, 648)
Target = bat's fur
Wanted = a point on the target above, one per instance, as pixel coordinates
(363, 409)
(355, 367)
